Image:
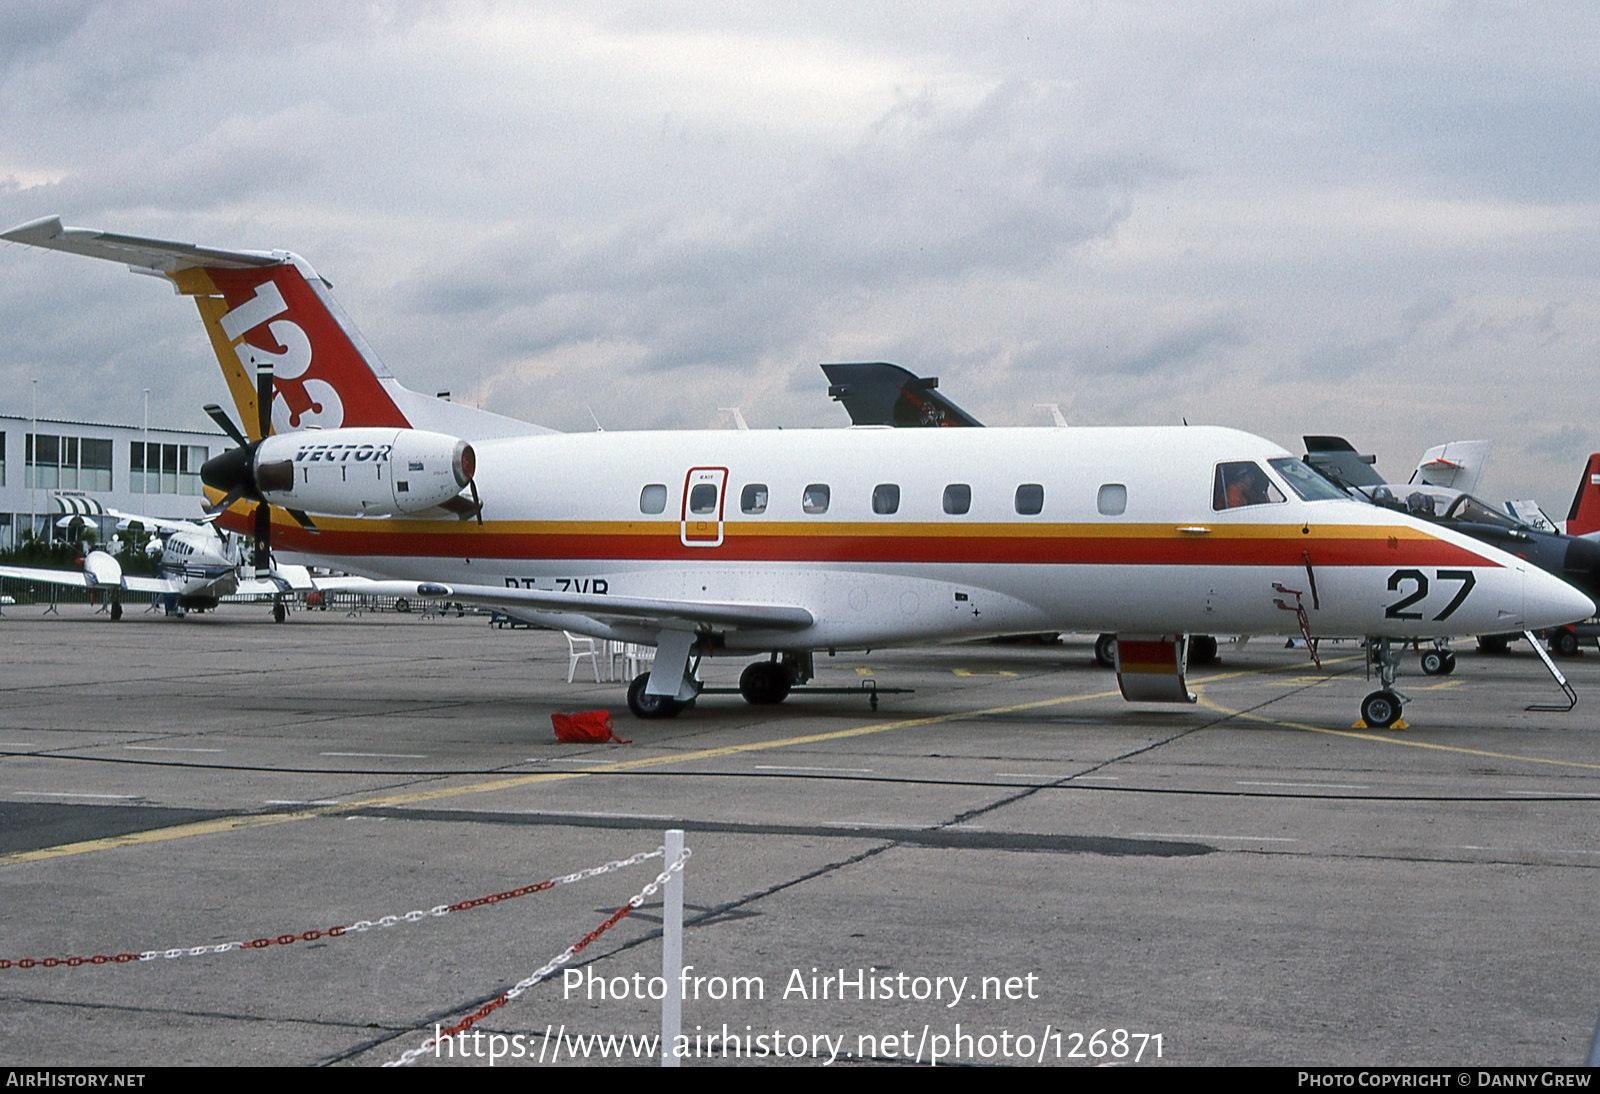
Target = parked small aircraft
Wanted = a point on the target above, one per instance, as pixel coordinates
(198, 567)
(786, 542)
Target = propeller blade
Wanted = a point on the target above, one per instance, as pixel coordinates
(220, 416)
(263, 541)
(264, 396)
(222, 506)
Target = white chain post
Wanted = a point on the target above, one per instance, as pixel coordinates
(672, 952)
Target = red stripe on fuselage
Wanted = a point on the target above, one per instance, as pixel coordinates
(1020, 550)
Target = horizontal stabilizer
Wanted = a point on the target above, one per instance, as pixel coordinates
(160, 255)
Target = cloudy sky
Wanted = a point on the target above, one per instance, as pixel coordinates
(1375, 219)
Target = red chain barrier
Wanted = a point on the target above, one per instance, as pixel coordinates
(505, 997)
(263, 943)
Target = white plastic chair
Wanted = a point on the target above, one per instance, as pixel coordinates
(579, 647)
(615, 652)
(640, 659)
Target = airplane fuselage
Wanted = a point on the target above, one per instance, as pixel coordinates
(893, 537)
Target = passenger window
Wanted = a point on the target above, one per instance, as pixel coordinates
(703, 499)
(885, 498)
(957, 498)
(653, 499)
(1112, 501)
(1240, 484)
(1030, 499)
(753, 498)
(815, 499)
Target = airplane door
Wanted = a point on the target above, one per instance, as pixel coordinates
(703, 490)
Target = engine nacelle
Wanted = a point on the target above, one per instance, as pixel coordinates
(363, 472)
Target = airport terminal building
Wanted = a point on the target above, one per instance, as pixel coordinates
(90, 467)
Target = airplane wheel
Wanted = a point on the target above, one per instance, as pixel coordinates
(1381, 709)
(1565, 643)
(116, 610)
(764, 683)
(1433, 663)
(279, 613)
(1202, 649)
(402, 605)
(1492, 643)
(1105, 651)
(650, 706)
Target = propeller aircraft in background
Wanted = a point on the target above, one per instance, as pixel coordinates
(198, 566)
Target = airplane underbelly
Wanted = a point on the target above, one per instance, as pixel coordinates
(859, 605)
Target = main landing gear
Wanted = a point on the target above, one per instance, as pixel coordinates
(767, 683)
(764, 683)
(1439, 661)
(645, 705)
(1381, 709)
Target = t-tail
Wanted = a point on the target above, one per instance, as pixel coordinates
(271, 308)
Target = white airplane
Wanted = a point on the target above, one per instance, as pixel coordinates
(781, 543)
(198, 567)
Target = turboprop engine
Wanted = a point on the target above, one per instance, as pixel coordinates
(363, 472)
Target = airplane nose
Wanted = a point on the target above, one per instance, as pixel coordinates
(1547, 601)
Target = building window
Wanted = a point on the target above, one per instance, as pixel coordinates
(94, 464)
(165, 468)
(43, 462)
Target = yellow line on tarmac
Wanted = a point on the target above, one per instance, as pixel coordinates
(262, 820)
(1396, 740)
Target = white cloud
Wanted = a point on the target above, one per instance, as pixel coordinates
(1371, 218)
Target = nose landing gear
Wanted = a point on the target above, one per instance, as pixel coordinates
(1381, 709)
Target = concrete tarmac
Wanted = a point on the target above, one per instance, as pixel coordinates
(991, 869)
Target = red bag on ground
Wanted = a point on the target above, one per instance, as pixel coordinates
(585, 727)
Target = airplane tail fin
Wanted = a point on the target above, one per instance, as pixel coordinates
(263, 307)
(1584, 516)
(1456, 466)
(878, 393)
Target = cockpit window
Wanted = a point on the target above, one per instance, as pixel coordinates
(1469, 508)
(1243, 483)
(1440, 503)
(1304, 481)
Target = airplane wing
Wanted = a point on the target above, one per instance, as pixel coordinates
(78, 579)
(160, 586)
(647, 611)
(75, 578)
(155, 524)
(297, 579)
